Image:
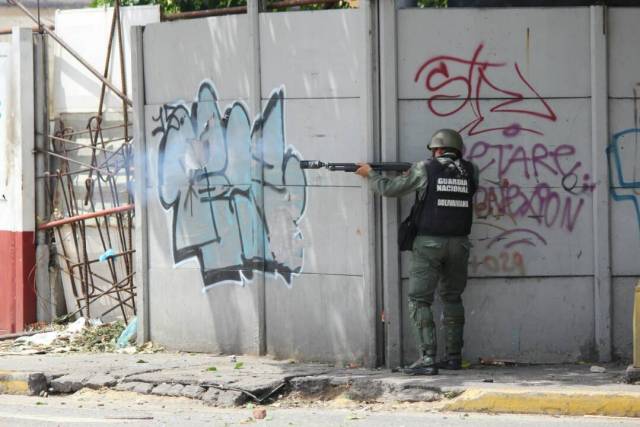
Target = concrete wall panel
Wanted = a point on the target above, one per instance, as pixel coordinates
(4, 101)
(179, 55)
(183, 316)
(546, 320)
(327, 130)
(624, 38)
(622, 325)
(75, 89)
(623, 161)
(314, 319)
(533, 209)
(332, 233)
(520, 47)
(315, 55)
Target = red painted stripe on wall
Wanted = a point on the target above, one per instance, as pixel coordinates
(17, 280)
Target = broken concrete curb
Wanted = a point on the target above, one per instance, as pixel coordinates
(22, 383)
(571, 403)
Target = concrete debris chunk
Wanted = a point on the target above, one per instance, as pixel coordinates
(259, 413)
(193, 391)
(162, 389)
(68, 383)
(101, 381)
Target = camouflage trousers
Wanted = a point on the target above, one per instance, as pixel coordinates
(438, 263)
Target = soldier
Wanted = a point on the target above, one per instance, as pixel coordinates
(441, 249)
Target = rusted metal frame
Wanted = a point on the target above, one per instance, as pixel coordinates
(104, 313)
(131, 297)
(123, 73)
(106, 293)
(294, 3)
(76, 172)
(74, 285)
(85, 216)
(83, 131)
(112, 266)
(205, 13)
(111, 262)
(77, 228)
(96, 260)
(73, 53)
(123, 239)
(60, 156)
(242, 9)
(106, 161)
(81, 145)
(8, 31)
(106, 64)
(130, 215)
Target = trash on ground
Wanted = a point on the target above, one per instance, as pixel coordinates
(598, 369)
(87, 335)
(129, 334)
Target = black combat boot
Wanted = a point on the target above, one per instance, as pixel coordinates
(426, 365)
(453, 362)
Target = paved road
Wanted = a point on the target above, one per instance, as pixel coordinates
(113, 408)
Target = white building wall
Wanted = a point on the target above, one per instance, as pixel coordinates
(517, 83)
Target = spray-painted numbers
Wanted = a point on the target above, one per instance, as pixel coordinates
(510, 263)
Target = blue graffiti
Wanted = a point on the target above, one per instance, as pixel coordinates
(623, 188)
(211, 167)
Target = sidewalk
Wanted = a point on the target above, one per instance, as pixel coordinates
(229, 381)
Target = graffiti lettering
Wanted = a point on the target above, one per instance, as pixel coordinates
(505, 262)
(545, 205)
(623, 181)
(454, 83)
(210, 168)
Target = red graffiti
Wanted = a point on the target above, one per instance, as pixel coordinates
(450, 92)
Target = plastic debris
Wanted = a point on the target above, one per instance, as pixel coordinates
(598, 369)
(109, 253)
(128, 334)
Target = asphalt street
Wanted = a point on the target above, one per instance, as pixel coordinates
(99, 408)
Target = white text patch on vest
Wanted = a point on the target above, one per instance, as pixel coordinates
(448, 188)
(453, 203)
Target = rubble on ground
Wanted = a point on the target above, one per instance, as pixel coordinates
(81, 335)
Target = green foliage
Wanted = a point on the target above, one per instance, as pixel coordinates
(432, 3)
(174, 6)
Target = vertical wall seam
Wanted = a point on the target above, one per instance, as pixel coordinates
(388, 60)
(369, 214)
(601, 216)
(253, 12)
(141, 277)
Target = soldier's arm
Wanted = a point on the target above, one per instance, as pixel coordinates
(397, 186)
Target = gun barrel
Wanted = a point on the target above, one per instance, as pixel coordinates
(352, 167)
(311, 164)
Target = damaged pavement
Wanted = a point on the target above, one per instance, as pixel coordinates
(228, 381)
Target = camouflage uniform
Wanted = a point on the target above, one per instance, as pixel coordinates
(434, 260)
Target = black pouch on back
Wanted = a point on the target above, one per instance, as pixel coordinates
(408, 229)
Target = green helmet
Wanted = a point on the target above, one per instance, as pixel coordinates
(446, 138)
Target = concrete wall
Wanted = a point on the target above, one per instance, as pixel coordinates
(544, 99)
(17, 220)
(623, 155)
(239, 237)
(75, 89)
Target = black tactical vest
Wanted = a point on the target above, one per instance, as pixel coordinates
(448, 207)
